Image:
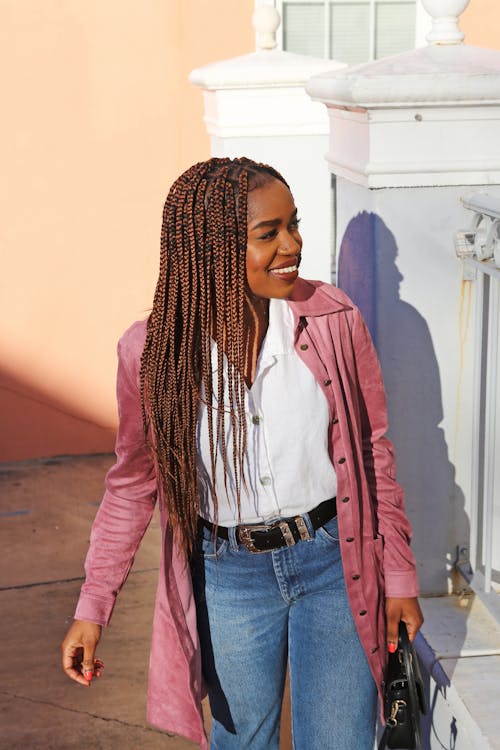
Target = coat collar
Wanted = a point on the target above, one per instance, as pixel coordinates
(315, 298)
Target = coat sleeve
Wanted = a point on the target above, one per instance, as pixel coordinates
(380, 469)
(129, 499)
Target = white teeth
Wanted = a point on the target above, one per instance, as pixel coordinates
(288, 269)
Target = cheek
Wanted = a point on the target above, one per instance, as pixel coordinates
(255, 260)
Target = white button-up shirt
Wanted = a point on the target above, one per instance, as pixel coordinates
(287, 467)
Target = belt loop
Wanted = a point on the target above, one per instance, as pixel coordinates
(309, 525)
(233, 539)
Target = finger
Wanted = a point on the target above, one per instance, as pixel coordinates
(413, 625)
(88, 663)
(98, 667)
(71, 665)
(392, 632)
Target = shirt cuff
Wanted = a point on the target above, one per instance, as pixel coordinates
(401, 584)
(95, 610)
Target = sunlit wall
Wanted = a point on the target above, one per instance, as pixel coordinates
(98, 118)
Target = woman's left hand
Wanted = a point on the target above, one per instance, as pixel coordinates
(409, 611)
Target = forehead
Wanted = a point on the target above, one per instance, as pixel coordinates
(269, 201)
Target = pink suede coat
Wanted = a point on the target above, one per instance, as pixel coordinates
(333, 341)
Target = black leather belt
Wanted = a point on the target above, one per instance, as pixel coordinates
(283, 533)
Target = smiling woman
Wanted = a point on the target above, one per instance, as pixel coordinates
(274, 242)
(252, 407)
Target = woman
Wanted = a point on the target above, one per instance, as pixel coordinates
(251, 403)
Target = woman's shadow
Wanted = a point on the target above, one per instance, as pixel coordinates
(368, 273)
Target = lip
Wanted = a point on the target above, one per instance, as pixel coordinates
(293, 261)
(284, 278)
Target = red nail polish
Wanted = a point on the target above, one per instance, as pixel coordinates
(391, 647)
(88, 675)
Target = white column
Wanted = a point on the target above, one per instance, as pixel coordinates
(407, 135)
(256, 106)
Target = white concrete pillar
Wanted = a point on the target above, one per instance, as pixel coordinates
(256, 106)
(408, 134)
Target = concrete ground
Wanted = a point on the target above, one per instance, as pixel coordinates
(46, 510)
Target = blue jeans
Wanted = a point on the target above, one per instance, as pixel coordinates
(258, 611)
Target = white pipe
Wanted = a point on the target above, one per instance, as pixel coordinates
(476, 422)
(490, 409)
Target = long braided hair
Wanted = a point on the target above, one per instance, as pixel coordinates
(199, 297)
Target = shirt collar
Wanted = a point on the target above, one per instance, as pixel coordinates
(280, 332)
(315, 298)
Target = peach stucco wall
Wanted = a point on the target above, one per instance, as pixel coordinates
(98, 118)
(481, 23)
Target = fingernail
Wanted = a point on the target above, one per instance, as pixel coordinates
(391, 647)
(88, 675)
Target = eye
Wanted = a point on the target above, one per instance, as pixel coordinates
(268, 235)
(294, 224)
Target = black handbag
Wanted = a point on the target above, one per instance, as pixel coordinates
(404, 698)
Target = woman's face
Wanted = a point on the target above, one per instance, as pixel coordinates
(274, 242)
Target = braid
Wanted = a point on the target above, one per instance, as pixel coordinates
(199, 296)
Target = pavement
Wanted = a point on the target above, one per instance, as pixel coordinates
(46, 510)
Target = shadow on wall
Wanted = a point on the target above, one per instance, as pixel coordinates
(36, 424)
(368, 273)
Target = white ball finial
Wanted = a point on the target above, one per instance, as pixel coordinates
(445, 15)
(266, 20)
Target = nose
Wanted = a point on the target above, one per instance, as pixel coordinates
(289, 245)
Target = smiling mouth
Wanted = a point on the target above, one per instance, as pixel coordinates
(284, 271)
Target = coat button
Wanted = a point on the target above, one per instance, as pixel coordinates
(256, 419)
(304, 347)
(375, 648)
(356, 577)
(350, 539)
(345, 499)
(327, 382)
(362, 612)
(341, 461)
(335, 420)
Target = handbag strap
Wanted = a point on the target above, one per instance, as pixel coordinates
(383, 740)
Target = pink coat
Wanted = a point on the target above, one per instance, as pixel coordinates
(332, 339)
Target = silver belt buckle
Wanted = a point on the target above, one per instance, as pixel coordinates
(244, 534)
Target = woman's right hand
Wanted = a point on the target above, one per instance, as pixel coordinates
(78, 652)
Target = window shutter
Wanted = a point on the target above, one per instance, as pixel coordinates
(352, 37)
(394, 28)
(303, 25)
(350, 32)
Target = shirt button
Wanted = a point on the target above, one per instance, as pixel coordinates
(356, 577)
(341, 461)
(256, 419)
(304, 347)
(345, 499)
(327, 382)
(265, 481)
(350, 539)
(363, 612)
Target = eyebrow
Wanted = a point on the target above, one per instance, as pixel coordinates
(271, 222)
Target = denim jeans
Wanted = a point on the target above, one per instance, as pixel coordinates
(256, 612)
